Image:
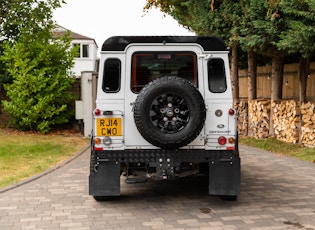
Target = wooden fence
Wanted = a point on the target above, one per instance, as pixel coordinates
(290, 82)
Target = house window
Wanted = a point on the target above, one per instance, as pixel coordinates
(77, 47)
(85, 51)
(82, 49)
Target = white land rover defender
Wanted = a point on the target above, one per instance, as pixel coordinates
(164, 111)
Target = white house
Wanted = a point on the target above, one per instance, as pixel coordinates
(86, 59)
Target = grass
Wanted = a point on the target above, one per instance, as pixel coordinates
(282, 148)
(25, 154)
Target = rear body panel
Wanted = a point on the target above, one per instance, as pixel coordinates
(117, 144)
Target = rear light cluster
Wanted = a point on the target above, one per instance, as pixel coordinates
(219, 112)
(224, 140)
(97, 112)
(232, 111)
(106, 140)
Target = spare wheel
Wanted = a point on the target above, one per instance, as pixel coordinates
(169, 112)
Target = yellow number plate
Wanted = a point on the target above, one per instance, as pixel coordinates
(108, 126)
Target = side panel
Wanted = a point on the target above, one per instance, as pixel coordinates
(218, 122)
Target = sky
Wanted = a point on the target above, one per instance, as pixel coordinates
(101, 19)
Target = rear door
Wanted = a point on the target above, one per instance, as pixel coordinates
(149, 62)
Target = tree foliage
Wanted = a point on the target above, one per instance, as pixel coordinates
(23, 16)
(20, 16)
(300, 35)
(40, 93)
(38, 64)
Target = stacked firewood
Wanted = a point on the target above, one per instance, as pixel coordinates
(292, 123)
(286, 116)
(308, 124)
(258, 118)
(242, 118)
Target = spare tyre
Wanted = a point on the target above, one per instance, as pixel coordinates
(169, 112)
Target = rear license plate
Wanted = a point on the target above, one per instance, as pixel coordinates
(108, 126)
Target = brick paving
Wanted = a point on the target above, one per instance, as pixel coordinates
(277, 193)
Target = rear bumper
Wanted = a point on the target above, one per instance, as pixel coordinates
(179, 155)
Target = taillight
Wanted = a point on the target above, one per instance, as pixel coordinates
(222, 140)
(231, 111)
(97, 112)
(231, 140)
(97, 141)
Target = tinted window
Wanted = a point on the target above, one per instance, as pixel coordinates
(147, 66)
(216, 76)
(111, 75)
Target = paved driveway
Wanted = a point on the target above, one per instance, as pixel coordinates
(277, 193)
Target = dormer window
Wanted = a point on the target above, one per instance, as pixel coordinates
(83, 50)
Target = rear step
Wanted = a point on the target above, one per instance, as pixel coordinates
(135, 180)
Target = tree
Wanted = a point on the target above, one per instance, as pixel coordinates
(25, 15)
(40, 95)
(29, 16)
(300, 36)
(38, 65)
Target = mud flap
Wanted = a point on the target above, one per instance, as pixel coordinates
(224, 177)
(106, 181)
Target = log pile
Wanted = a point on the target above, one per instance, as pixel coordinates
(308, 124)
(292, 122)
(242, 118)
(258, 118)
(286, 117)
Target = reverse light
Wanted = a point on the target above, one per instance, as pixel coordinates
(107, 140)
(231, 111)
(222, 140)
(97, 112)
(218, 113)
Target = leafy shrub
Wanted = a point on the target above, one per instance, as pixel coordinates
(40, 95)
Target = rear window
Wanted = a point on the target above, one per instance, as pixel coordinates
(111, 75)
(216, 75)
(147, 66)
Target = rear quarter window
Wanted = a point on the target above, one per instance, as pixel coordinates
(111, 75)
(216, 75)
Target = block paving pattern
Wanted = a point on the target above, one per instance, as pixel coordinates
(278, 192)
